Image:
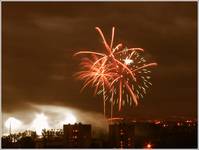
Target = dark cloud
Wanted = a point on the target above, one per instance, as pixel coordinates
(40, 38)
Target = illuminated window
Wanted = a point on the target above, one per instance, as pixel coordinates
(121, 132)
(121, 144)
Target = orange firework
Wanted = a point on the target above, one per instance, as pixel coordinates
(97, 76)
(121, 74)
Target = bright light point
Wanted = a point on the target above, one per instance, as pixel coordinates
(40, 123)
(12, 123)
(148, 145)
(128, 61)
(70, 118)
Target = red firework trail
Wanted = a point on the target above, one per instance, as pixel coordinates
(121, 74)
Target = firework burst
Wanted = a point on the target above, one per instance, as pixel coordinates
(122, 75)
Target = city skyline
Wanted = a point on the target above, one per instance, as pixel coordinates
(122, 134)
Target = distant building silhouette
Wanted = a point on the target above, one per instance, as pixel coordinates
(121, 135)
(77, 135)
(125, 134)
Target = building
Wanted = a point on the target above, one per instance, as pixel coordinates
(122, 135)
(77, 135)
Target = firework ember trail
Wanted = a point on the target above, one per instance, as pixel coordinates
(121, 74)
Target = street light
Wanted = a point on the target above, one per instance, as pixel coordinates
(40, 123)
(12, 123)
(70, 118)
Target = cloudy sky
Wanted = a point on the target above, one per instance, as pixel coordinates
(40, 38)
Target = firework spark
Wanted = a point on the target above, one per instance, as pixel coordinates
(121, 74)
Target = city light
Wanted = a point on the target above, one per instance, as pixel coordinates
(12, 124)
(149, 146)
(40, 123)
(157, 122)
(70, 119)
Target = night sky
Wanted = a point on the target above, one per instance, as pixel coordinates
(40, 38)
